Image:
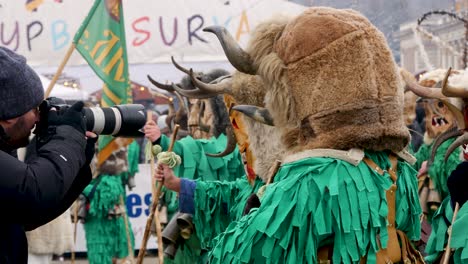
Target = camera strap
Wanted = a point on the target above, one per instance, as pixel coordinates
(90, 195)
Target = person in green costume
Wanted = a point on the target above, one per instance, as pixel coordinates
(434, 164)
(440, 121)
(337, 104)
(218, 203)
(211, 131)
(107, 236)
(447, 145)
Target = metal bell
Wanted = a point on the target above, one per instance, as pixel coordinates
(171, 232)
(185, 222)
(170, 250)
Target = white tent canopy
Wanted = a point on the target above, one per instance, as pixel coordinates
(63, 92)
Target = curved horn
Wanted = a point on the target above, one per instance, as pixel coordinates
(165, 87)
(451, 133)
(212, 88)
(177, 65)
(230, 146)
(258, 114)
(419, 90)
(451, 91)
(182, 106)
(184, 70)
(458, 142)
(194, 93)
(240, 59)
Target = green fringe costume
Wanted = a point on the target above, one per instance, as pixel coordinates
(322, 201)
(460, 236)
(438, 238)
(197, 166)
(217, 204)
(107, 238)
(440, 170)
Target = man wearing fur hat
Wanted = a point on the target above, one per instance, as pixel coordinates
(345, 192)
(38, 191)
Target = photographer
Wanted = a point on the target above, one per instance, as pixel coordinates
(34, 193)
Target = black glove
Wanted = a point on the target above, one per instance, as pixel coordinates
(457, 184)
(90, 149)
(72, 116)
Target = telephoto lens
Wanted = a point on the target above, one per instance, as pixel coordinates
(119, 120)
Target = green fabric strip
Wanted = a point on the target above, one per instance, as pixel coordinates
(460, 236)
(106, 238)
(311, 203)
(228, 170)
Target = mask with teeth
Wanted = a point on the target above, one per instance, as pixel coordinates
(438, 116)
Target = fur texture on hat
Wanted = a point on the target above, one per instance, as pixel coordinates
(20, 87)
(331, 82)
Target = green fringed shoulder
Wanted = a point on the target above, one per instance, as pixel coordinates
(440, 170)
(106, 196)
(197, 165)
(423, 154)
(217, 204)
(314, 200)
(460, 236)
(438, 238)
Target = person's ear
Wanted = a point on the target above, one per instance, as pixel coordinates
(9, 122)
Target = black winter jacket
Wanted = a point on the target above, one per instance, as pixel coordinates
(34, 193)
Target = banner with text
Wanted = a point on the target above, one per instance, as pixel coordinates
(42, 30)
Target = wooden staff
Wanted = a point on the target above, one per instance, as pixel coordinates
(154, 206)
(75, 218)
(447, 248)
(59, 70)
(127, 230)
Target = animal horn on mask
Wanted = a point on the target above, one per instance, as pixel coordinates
(231, 144)
(422, 91)
(165, 87)
(240, 59)
(219, 86)
(258, 114)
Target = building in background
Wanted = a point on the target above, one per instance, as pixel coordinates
(386, 15)
(443, 48)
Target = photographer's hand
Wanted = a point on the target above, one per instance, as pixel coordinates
(90, 146)
(73, 117)
(152, 131)
(166, 175)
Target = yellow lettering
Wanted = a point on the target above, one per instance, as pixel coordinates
(116, 60)
(108, 45)
(244, 22)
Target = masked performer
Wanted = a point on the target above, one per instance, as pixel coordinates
(108, 231)
(344, 192)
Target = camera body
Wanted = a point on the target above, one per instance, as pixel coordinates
(119, 120)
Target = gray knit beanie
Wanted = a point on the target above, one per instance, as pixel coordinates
(20, 87)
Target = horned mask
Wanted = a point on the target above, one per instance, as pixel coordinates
(330, 80)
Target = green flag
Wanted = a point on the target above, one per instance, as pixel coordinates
(101, 42)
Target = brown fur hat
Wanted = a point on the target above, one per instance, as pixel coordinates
(331, 82)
